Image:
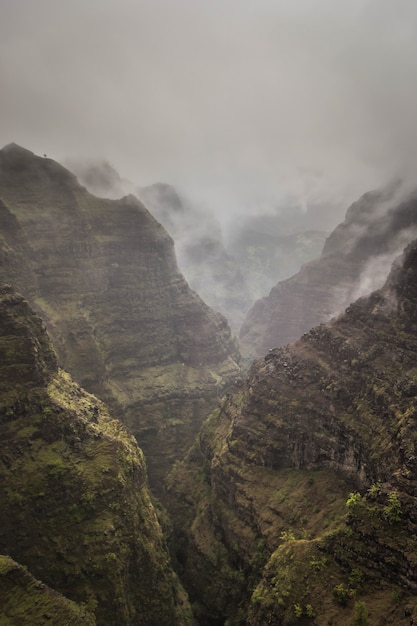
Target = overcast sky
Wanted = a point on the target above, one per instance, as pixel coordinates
(238, 102)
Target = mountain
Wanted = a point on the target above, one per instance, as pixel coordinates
(231, 269)
(103, 275)
(355, 260)
(81, 535)
(297, 504)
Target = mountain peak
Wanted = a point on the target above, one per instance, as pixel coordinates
(14, 149)
(15, 159)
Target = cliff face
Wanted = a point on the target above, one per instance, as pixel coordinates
(74, 503)
(331, 415)
(103, 275)
(356, 260)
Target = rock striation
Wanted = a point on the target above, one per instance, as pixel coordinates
(356, 259)
(75, 509)
(103, 275)
(303, 506)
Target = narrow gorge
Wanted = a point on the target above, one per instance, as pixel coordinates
(146, 478)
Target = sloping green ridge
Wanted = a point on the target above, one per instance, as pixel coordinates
(25, 601)
(74, 502)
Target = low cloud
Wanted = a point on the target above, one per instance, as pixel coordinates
(244, 106)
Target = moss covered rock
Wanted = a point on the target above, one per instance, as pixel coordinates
(306, 477)
(74, 502)
(125, 324)
(29, 602)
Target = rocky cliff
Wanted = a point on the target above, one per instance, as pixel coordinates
(103, 275)
(356, 259)
(74, 503)
(297, 504)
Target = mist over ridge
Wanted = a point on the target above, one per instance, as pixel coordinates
(212, 208)
(247, 107)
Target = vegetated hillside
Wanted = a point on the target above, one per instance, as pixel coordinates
(200, 250)
(297, 505)
(356, 259)
(27, 601)
(75, 510)
(103, 275)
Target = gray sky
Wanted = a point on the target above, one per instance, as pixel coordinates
(241, 103)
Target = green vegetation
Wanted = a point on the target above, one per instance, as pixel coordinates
(393, 510)
(74, 504)
(28, 602)
(360, 614)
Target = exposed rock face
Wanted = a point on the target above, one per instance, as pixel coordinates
(74, 502)
(264, 536)
(356, 260)
(125, 324)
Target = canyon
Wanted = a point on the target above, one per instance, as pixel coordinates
(152, 476)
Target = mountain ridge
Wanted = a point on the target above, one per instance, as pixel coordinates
(307, 473)
(74, 502)
(125, 324)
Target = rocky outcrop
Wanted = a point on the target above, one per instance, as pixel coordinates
(74, 502)
(303, 508)
(356, 259)
(103, 275)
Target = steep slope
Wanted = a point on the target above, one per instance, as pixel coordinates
(27, 601)
(203, 255)
(125, 324)
(74, 503)
(229, 270)
(356, 259)
(265, 536)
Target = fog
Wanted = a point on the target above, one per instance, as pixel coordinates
(245, 106)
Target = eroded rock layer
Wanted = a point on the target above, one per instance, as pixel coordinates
(74, 503)
(103, 275)
(305, 479)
